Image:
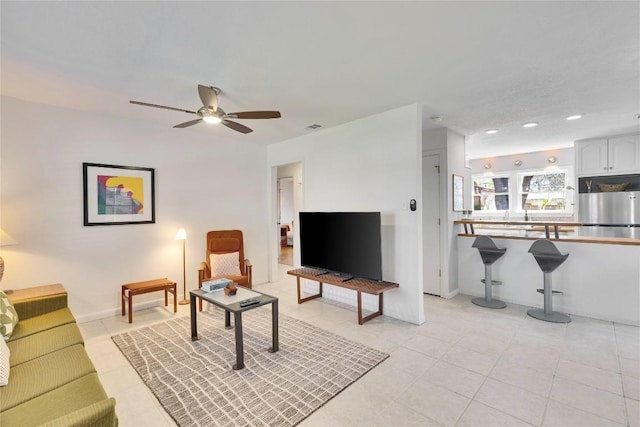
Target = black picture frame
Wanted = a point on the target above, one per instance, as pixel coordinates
(118, 195)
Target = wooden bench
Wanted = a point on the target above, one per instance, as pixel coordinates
(139, 288)
(357, 284)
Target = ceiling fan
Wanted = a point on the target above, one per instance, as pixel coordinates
(211, 113)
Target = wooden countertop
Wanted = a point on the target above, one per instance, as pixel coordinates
(491, 228)
(546, 225)
(573, 239)
(507, 222)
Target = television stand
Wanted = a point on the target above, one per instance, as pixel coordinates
(338, 276)
(357, 284)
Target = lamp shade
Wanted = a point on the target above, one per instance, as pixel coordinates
(5, 239)
(181, 234)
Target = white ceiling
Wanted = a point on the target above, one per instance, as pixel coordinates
(478, 65)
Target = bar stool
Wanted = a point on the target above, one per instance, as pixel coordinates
(489, 253)
(549, 258)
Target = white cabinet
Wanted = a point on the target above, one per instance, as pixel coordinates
(608, 156)
(624, 154)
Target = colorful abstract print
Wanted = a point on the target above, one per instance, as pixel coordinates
(120, 195)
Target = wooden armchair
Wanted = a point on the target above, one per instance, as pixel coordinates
(222, 248)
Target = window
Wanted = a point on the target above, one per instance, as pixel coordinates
(491, 193)
(542, 191)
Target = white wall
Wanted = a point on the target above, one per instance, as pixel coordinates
(535, 160)
(452, 146)
(371, 164)
(203, 182)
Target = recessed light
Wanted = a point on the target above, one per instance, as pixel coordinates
(491, 131)
(530, 125)
(552, 159)
(574, 117)
(517, 163)
(487, 165)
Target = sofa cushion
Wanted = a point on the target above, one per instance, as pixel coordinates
(41, 323)
(8, 316)
(39, 376)
(100, 414)
(33, 346)
(4, 362)
(64, 400)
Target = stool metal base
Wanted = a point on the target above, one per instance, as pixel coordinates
(494, 303)
(554, 316)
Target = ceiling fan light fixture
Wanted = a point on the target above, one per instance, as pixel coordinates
(211, 113)
(212, 119)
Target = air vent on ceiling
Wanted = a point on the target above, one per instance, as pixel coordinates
(313, 126)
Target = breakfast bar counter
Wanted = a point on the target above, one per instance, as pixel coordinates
(600, 279)
(531, 230)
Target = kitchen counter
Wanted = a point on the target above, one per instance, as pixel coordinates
(601, 282)
(562, 230)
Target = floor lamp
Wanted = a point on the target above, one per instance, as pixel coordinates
(182, 235)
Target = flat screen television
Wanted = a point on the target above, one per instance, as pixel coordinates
(347, 243)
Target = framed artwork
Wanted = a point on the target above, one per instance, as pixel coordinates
(458, 193)
(118, 194)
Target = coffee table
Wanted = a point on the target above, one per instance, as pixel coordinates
(231, 304)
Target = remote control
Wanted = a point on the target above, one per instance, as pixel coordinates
(248, 302)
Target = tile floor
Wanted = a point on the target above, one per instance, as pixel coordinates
(465, 366)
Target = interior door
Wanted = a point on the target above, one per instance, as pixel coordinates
(431, 224)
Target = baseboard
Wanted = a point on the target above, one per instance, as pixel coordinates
(451, 294)
(113, 312)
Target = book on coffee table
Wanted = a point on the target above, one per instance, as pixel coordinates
(215, 285)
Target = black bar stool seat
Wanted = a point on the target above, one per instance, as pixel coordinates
(548, 258)
(489, 253)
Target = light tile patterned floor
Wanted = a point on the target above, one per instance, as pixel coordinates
(466, 366)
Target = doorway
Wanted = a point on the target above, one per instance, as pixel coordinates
(431, 268)
(285, 220)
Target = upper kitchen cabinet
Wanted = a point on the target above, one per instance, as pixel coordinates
(608, 156)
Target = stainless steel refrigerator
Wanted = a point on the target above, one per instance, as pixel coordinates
(610, 213)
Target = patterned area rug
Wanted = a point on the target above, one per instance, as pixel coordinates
(196, 384)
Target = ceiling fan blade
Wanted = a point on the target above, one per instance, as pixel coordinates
(236, 126)
(146, 104)
(255, 115)
(189, 123)
(208, 97)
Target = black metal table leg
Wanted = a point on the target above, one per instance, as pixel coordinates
(274, 327)
(227, 319)
(237, 319)
(194, 326)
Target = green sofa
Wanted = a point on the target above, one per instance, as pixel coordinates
(52, 381)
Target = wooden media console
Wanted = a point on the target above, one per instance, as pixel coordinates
(357, 284)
